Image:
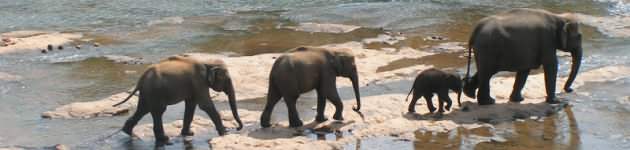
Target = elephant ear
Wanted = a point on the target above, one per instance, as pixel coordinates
(564, 36)
(211, 73)
(337, 63)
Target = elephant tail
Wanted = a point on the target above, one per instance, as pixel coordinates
(128, 97)
(407, 98)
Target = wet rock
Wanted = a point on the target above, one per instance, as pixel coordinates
(100, 108)
(435, 38)
(385, 39)
(61, 147)
(325, 27)
(498, 139)
(44, 51)
(9, 77)
(124, 59)
(448, 47)
(49, 47)
(60, 47)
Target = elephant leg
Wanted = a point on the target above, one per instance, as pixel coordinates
(551, 72)
(519, 83)
(133, 120)
(209, 108)
(483, 94)
(189, 112)
(429, 97)
(471, 85)
(414, 100)
(273, 96)
(294, 118)
(333, 97)
(158, 130)
(444, 98)
(321, 106)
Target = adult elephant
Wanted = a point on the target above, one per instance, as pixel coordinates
(180, 78)
(520, 40)
(304, 69)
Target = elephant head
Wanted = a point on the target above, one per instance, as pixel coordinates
(345, 66)
(571, 41)
(219, 80)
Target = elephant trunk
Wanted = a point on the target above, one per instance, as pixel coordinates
(355, 85)
(576, 57)
(232, 100)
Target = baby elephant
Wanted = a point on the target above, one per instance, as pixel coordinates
(181, 78)
(434, 81)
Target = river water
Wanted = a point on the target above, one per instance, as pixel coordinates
(155, 29)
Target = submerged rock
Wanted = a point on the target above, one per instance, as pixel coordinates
(100, 108)
(125, 59)
(324, 27)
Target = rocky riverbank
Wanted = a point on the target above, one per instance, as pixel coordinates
(384, 107)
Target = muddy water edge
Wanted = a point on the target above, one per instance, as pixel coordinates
(595, 119)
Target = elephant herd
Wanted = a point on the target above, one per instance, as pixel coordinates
(515, 40)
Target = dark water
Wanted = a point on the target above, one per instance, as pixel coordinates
(135, 28)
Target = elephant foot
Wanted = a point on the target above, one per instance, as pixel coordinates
(411, 110)
(128, 131)
(486, 101)
(516, 98)
(162, 141)
(431, 108)
(221, 132)
(294, 124)
(265, 124)
(553, 101)
(187, 133)
(338, 117)
(469, 90)
(321, 118)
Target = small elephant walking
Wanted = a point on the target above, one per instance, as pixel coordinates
(519, 40)
(304, 69)
(180, 78)
(434, 81)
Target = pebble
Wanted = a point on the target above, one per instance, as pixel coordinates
(97, 44)
(44, 51)
(77, 46)
(60, 47)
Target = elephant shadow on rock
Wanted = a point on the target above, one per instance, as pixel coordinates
(313, 129)
(492, 114)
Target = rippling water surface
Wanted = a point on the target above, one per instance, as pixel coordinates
(155, 29)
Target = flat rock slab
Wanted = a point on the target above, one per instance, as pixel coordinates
(100, 108)
(30, 41)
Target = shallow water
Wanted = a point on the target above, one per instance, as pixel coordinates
(127, 27)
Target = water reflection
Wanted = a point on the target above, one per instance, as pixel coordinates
(558, 131)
